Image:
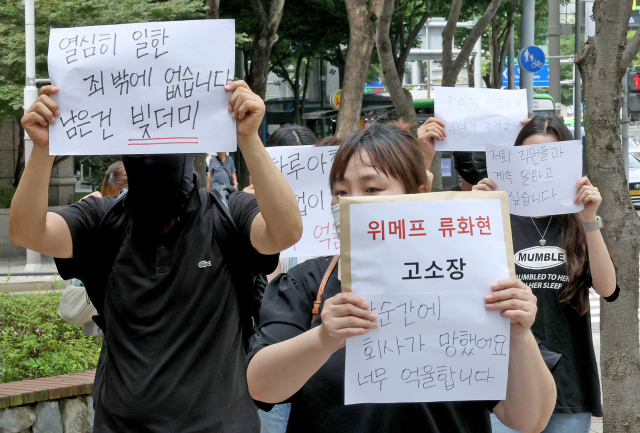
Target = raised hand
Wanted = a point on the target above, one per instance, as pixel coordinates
(247, 107)
(590, 196)
(517, 302)
(37, 118)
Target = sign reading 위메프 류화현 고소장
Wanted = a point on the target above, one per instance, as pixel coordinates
(143, 88)
(424, 263)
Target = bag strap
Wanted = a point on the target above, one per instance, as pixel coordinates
(227, 241)
(226, 170)
(323, 284)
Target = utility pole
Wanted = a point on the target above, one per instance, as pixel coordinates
(625, 125)
(527, 39)
(511, 71)
(34, 260)
(554, 50)
(577, 94)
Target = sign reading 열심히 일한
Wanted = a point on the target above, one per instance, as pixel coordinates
(143, 88)
(539, 178)
(424, 263)
(473, 117)
(307, 168)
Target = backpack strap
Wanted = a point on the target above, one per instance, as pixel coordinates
(227, 241)
(323, 284)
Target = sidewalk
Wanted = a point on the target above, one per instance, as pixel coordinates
(15, 284)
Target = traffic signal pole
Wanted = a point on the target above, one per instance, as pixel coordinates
(577, 94)
(527, 39)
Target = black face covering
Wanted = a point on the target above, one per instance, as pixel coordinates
(159, 186)
(472, 166)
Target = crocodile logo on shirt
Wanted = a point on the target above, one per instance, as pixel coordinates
(204, 264)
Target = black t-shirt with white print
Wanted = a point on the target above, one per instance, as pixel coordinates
(558, 326)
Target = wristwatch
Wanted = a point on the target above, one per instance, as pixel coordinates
(592, 226)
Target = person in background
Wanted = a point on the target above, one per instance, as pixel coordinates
(115, 180)
(292, 135)
(301, 359)
(562, 286)
(221, 171)
(472, 168)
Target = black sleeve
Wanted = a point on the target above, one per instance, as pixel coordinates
(616, 292)
(83, 219)
(244, 208)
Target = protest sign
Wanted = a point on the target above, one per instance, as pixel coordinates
(539, 178)
(143, 88)
(424, 263)
(307, 168)
(473, 117)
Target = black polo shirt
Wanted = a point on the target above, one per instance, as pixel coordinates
(175, 353)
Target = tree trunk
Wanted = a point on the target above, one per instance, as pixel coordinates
(296, 91)
(213, 9)
(603, 61)
(304, 91)
(263, 41)
(400, 96)
(362, 17)
(450, 67)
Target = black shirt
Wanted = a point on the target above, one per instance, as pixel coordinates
(175, 360)
(558, 326)
(319, 406)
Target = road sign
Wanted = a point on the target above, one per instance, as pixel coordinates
(532, 59)
(335, 98)
(540, 78)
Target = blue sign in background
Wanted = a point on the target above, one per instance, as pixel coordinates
(531, 58)
(540, 78)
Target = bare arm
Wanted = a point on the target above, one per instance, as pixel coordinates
(278, 371)
(209, 180)
(30, 225)
(279, 224)
(531, 389)
(603, 273)
(235, 179)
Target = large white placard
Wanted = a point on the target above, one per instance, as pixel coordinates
(540, 178)
(425, 267)
(477, 116)
(307, 168)
(143, 88)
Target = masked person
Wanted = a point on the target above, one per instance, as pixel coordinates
(172, 310)
(472, 168)
(299, 355)
(562, 286)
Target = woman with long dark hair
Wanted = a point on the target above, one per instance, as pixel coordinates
(299, 356)
(577, 259)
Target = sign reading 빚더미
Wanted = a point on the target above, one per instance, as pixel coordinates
(424, 263)
(143, 88)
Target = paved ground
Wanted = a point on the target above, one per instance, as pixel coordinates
(14, 284)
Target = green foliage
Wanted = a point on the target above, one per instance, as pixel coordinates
(6, 195)
(36, 342)
(68, 13)
(99, 166)
(636, 60)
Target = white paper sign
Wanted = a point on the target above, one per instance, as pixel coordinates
(477, 116)
(143, 88)
(540, 178)
(307, 168)
(425, 267)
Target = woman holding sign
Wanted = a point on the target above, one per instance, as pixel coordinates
(561, 257)
(299, 355)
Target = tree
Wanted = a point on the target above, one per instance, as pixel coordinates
(394, 56)
(212, 9)
(502, 25)
(362, 17)
(603, 61)
(265, 36)
(282, 68)
(451, 67)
